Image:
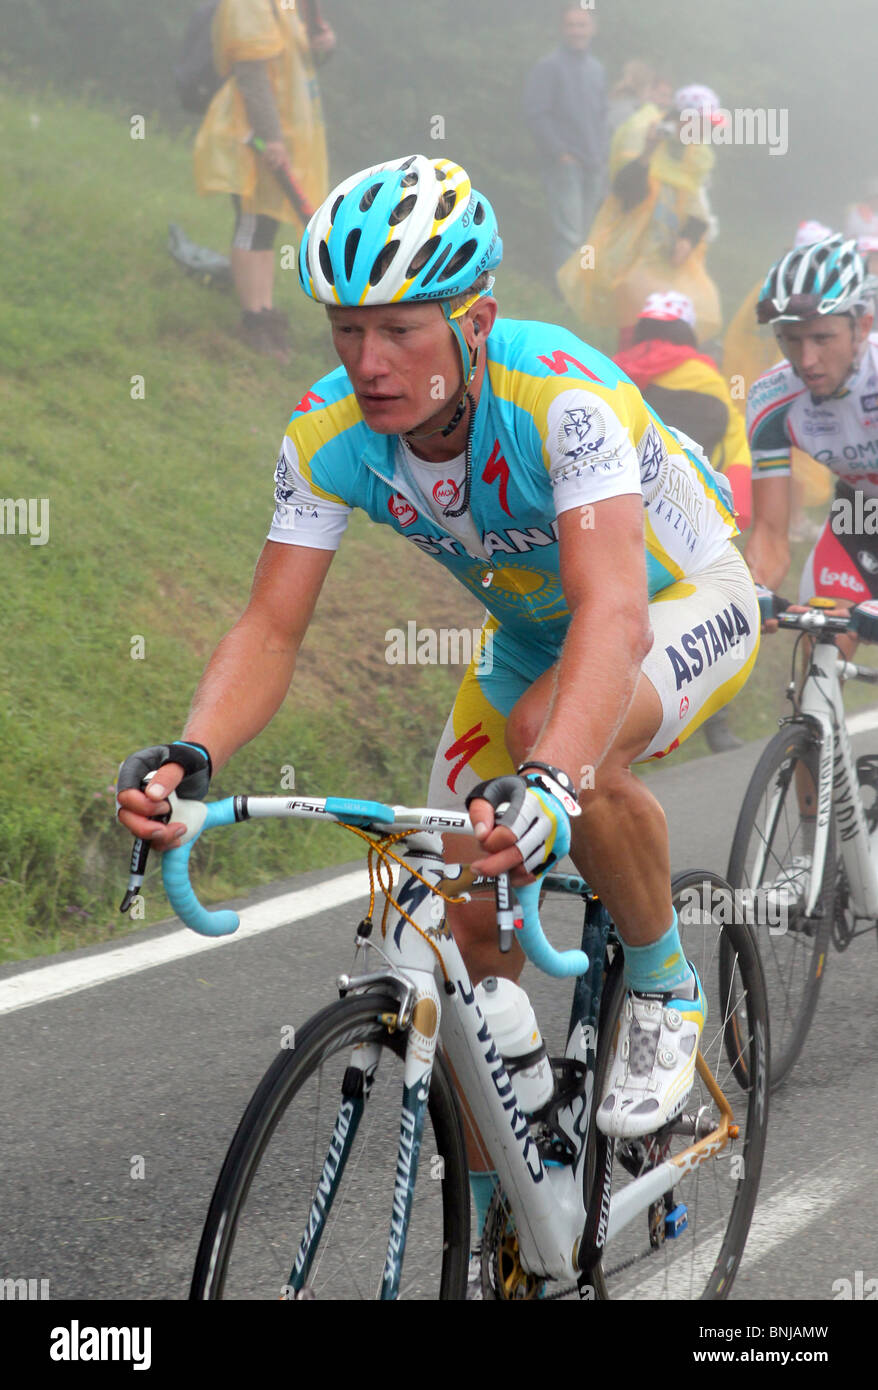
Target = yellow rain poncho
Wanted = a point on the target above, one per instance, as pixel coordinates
(259, 31)
(749, 349)
(631, 250)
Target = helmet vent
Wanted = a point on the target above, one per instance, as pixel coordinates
(350, 251)
(369, 196)
(446, 205)
(459, 259)
(437, 265)
(325, 260)
(402, 210)
(382, 262)
(479, 214)
(410, 179)
(335, 207)
(421, 256)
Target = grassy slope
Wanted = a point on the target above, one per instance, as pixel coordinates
(158, 508)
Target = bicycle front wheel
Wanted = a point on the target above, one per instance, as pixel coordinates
(294, 1173)
(771, 859)
(688, 1243)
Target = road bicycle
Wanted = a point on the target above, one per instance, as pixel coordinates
(348, 1174)
(802, 849)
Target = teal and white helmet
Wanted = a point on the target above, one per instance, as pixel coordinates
(827, 277)
(411, 230)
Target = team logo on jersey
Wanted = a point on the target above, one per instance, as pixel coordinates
(402, 509)
(870, 402)
(653, 458)
(582, 432)
(706, 643)
(283, 490)
(446, 492)
(819, 420)
(684, 706)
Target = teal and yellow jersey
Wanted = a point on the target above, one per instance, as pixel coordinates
(558, 426)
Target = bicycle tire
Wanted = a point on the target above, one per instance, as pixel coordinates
(793, 949)
(719, 1195)
(265, 1191)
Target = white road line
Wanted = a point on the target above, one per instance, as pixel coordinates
(775, 1219)
(862, 723)
(68, 977)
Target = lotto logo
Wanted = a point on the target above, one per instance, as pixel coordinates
(844, 581)
(402, 509)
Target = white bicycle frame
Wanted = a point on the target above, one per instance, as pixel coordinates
(547, 1202)
(821, 702)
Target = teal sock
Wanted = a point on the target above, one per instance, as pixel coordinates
(659, 967)
(482, 1186)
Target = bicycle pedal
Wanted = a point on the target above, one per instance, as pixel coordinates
(676, 1221)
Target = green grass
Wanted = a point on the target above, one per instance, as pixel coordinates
(157, 510)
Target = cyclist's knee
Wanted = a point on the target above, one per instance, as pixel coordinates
(474, 928)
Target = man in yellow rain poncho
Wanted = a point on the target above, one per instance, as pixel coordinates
(749, 350)
(651, 233)
(266, 53)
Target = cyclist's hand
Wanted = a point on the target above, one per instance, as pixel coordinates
(177, 765)
(864, 620)
(522, 826)
(770, 604)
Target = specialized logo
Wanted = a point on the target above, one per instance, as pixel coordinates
(582, 432)
(307, 401)
(446, 492)
(402, 509)
(558, 362)
(464, 749)
(684, 705)
(498, 469)
(706, 643)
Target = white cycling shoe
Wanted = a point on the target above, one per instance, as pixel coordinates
(653, 1069)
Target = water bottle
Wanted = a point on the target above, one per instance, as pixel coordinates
(508, 1014)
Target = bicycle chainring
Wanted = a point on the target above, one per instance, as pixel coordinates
(503, 1276)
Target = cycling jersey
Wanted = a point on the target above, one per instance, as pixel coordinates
(841, 431)
(557, 427)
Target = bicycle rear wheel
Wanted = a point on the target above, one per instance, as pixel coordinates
(689, 1243)
(275, 1182)
(776, 826)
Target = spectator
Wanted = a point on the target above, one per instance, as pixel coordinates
(861, 222)
(566, 106)
(267, 53)
(633, 90)
(652, 231)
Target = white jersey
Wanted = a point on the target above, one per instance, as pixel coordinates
(841, 432)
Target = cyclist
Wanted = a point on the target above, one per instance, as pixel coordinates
(685, 388)
(823, 399)
(541, 479)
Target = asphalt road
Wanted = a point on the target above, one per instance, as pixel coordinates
(118, 1101)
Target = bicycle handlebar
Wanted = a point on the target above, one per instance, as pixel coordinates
(199, 816)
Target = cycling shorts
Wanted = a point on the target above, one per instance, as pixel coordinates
(706, 636)
(842, 565)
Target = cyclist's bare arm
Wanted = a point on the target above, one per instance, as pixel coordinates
(768, 550)
(246, 679)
